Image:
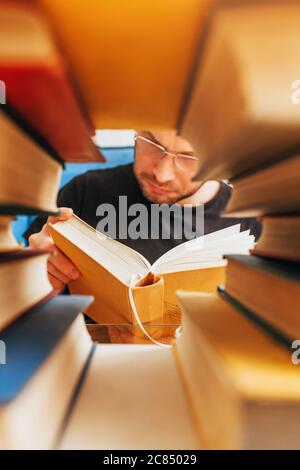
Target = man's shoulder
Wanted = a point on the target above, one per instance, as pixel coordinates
(116, 174)
(113, 178)
(102, 181)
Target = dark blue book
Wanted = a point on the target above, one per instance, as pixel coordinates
(43, 355)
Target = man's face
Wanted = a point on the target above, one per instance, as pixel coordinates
(163, 178)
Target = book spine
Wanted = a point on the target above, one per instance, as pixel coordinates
(25, 127)
(273, 332)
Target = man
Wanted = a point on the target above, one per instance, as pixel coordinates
(162, 173)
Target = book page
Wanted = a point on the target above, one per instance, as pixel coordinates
(123, 262)
(197, 244)
(207, 252)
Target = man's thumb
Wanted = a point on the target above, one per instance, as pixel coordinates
(65, 213)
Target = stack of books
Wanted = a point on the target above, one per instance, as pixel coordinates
(230, 380)
(248, 394)
(44, 340)
(47, 348)
(258, 149)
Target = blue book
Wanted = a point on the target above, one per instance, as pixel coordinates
(42, 357)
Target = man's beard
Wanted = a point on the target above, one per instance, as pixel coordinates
(143, 177)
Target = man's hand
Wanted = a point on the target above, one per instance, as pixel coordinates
(60, 269)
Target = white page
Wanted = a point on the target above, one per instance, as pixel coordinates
(198, 261)
(198, 243)
(210, 263)
(219, 246)
(117, 258)
(205, 255)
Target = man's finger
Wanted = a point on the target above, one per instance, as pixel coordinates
(56, 273)
(38, 241)
(65, 213)
(56, 283)
(63, 264)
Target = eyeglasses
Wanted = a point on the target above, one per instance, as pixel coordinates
(157, 151)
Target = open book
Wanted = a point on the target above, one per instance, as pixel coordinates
(119, 276)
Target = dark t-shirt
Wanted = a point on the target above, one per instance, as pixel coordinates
(87, 191)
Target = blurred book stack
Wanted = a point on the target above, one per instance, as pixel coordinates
(229, 381)
(47, 350)
(44, 341)
(242, 385)
(248, 130)
(240, 115)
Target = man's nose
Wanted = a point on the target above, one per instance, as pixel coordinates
(164, 170)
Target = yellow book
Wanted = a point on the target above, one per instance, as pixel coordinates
(111, 271)
(242, 385)
(131, 59)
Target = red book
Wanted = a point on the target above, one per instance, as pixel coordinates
(38, 83)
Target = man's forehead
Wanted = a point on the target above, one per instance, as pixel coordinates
(168, 139)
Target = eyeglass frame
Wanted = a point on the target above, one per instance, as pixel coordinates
(164, 150)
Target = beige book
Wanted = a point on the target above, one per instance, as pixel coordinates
(125, 284)
(29, 176)
(270, 288)
(271, 190)
(243, 385)
(241, 110)
(23, 283)
(8, 241)
(132, 398)
(280, 238)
